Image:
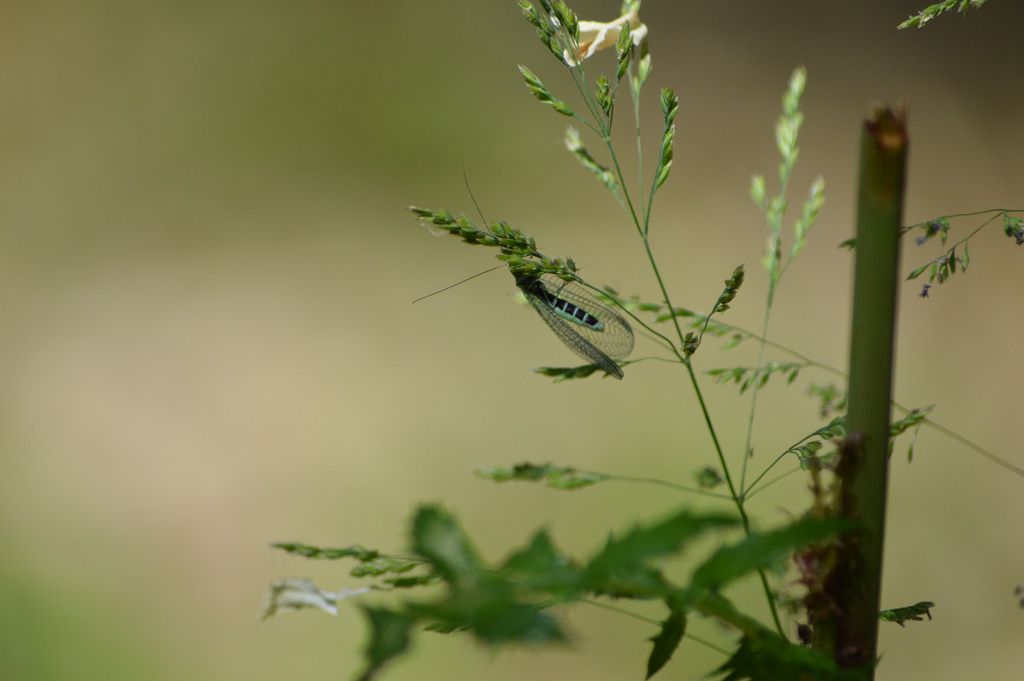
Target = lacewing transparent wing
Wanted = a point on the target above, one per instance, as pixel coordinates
(587, 327)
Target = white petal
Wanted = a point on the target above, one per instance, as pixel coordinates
(598, 35)
(296, 593)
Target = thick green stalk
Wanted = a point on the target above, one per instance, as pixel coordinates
(849, 630)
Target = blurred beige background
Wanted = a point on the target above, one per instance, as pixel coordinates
(207, 345)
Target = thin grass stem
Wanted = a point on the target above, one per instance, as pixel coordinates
(650, 620)
(665, 483)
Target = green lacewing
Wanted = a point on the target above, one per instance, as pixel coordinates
(586, 326)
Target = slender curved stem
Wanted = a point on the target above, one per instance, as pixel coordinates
(772, 482)
(747, 491)
(1017, 470)
(661, 284)
(665, 483)
(755, 391)
(621, 611)
(650, 620)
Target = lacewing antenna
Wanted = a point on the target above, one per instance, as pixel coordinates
(442, 290)
(469, 190)
(465, 179)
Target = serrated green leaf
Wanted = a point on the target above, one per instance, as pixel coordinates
(517, 623)
(666, 640)
(389, 638)
(623, 558)
(541, 566)
(714, 604)
(493, 615)
(768, 657)
(758, 550)
(438, 537)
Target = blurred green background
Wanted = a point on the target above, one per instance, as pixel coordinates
(205, 273)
